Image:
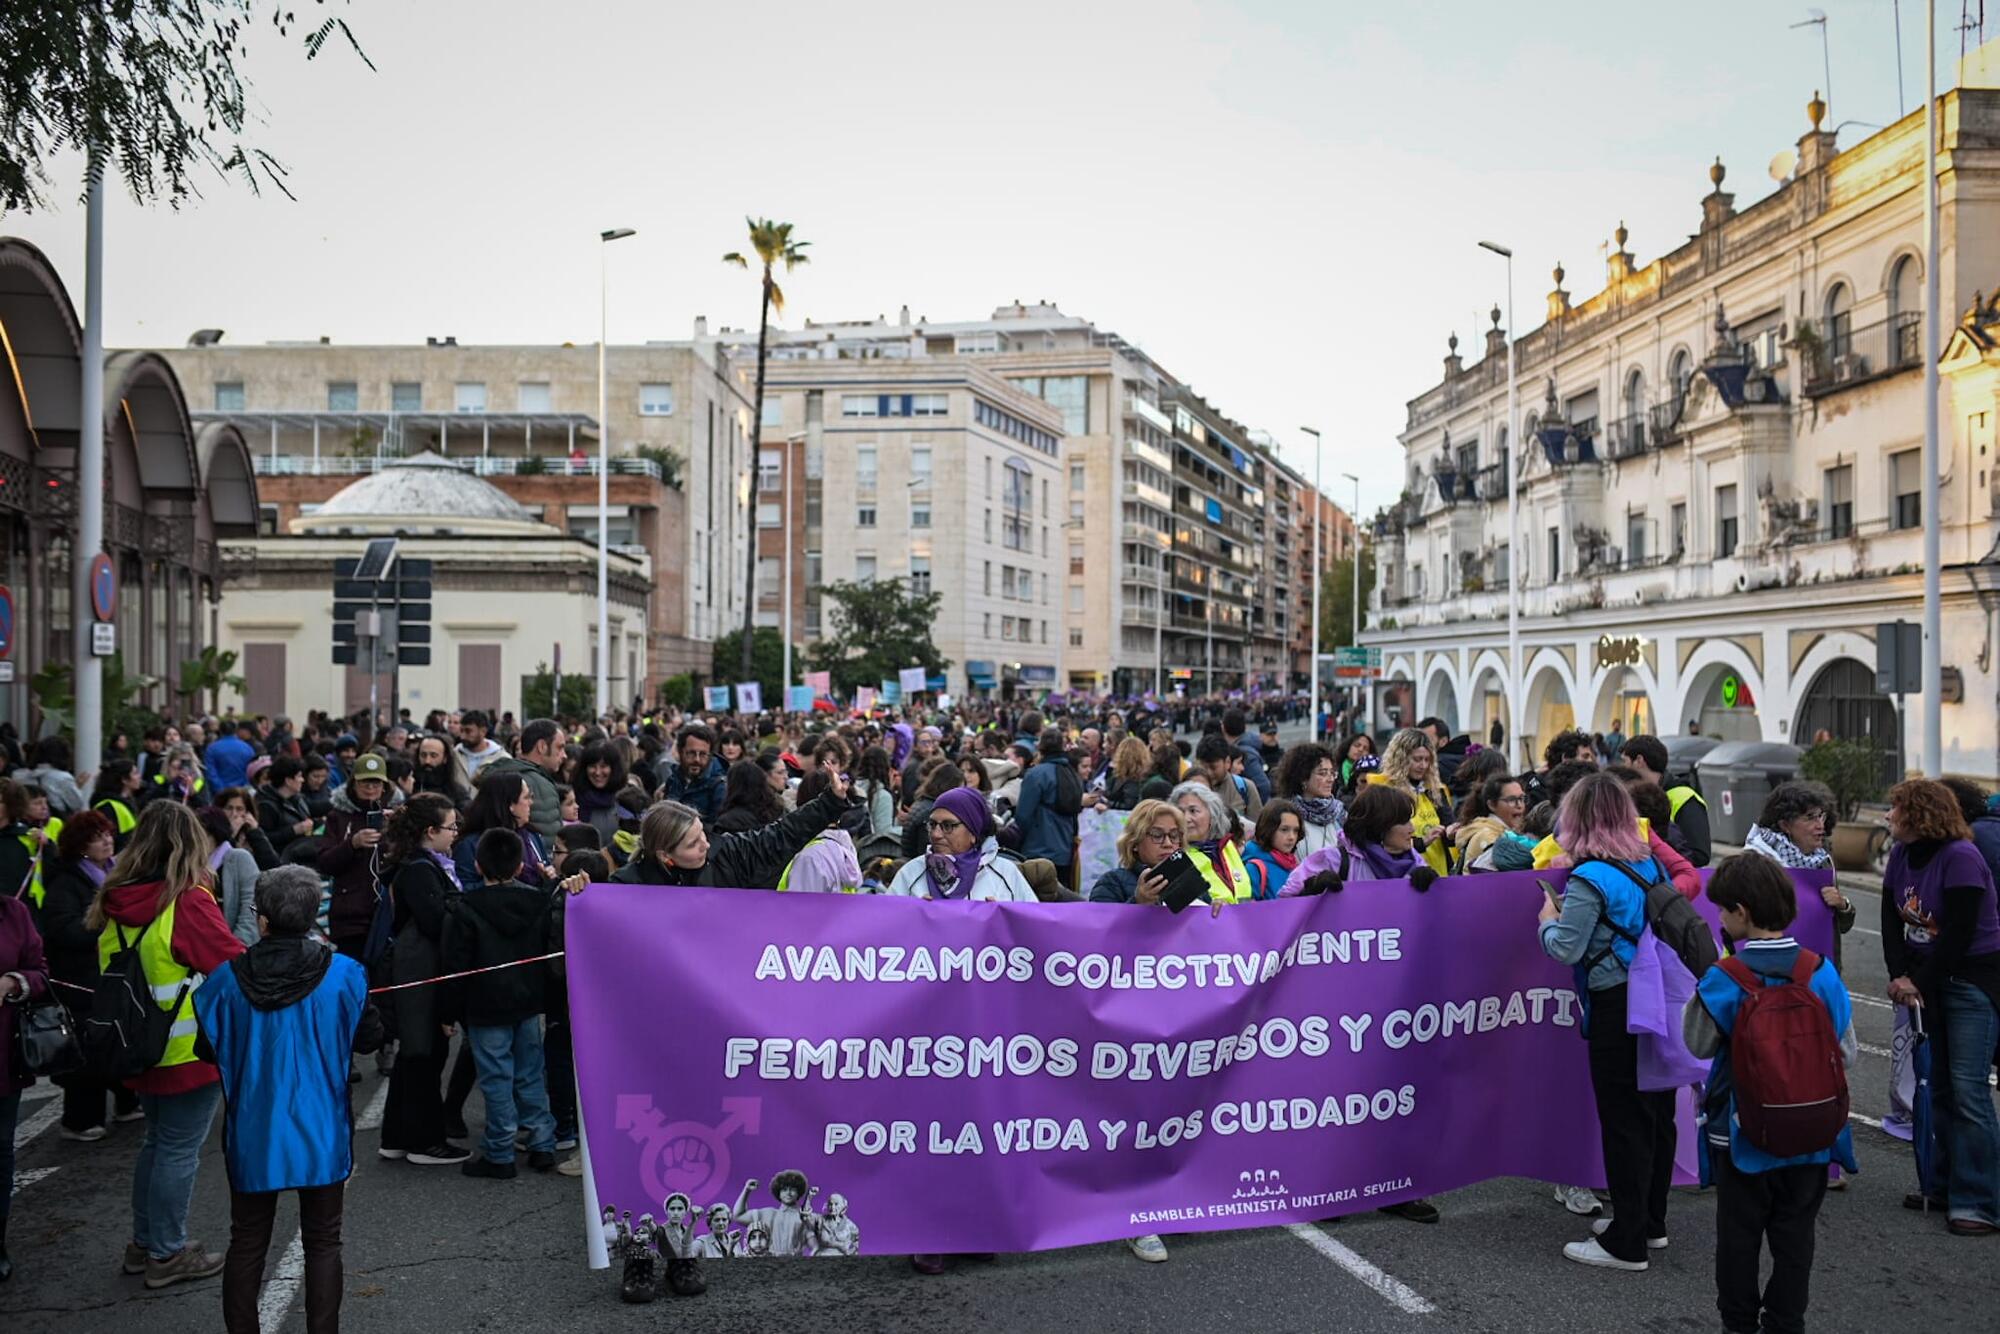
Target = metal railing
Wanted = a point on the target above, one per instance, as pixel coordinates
(1627, 437)
(304, 465)
(1664, 419)
(1851, 356)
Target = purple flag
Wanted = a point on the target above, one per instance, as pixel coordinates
(832, 1075)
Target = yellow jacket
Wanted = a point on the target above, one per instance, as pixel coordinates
(1426, 818)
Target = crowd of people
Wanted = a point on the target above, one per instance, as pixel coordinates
(297, 867)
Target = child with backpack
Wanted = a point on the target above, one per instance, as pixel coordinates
(1780, 1026)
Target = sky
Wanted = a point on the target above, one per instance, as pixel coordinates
(1280, 202)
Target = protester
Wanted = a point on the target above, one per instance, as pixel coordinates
(156, 900)
(228, 756)
(475, 749)
(1941, 942)
(1130, 763)
(1234, 726)
(425, 887)
(441, 769)
(1791, 831)
(1357, 760)
(1215, 762)
(282, 810)
(964, 861)
(233, 872)
(601, 795)
(875, 831)
(503, 922)
(696, 780)
(116, 794)
(748, 800)
(51, 773)
(239, 808)
(1051, 798)
(1648, 754)
(24, 976)
(281, 1022)
(1154, 833)
(78, 866)
(539, 758)
(347, 852)
(1377, 842)
(1489, 813)
(1211, 842)
(1760, 1197)
(1594, 930)
(937, 781)
(827, 864)
(1165, 775)
(674, 848)
(1409, 764)
(1274, 853)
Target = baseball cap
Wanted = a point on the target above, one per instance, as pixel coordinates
(370, 765)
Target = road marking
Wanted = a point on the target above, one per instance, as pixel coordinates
(371, 1115)
(1874, 1050)
(36, 1124)
(1391, 1289)
(28, 1176)
(1872, 1001)
(1864, 931)
(276, 1302)
(1864, 1120)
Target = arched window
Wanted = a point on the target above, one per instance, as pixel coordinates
(1905, 311)
(1680, 372)
(1635, 392)
(1843, 701)
(1839, 312)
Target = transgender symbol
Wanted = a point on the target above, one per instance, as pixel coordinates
(685, 1156)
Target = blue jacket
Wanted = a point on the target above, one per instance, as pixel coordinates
(1267, 883)
(704, 794)
(228, 759)
(1597, 896)
(1711, 1017)
(1120, 884)
(1045, 831)
(282, 1020)
(1253, 767)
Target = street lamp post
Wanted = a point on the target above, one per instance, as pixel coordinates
(1318, 577)
(88, 682)
(1513, 517)
(603, 480)
(1933, 679)
(1354, 593)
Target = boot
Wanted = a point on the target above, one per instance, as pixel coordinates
(684, 1278)
(637, 1286)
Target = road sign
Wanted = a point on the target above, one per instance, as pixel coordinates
(1357, 662)
(1899, 658)
(103, 639)
(103, 587)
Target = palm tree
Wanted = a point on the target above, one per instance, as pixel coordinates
(774, 245)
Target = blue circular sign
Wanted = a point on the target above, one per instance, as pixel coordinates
(6, 621)
(103, 587)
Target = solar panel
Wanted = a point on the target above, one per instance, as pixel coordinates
(375, 560)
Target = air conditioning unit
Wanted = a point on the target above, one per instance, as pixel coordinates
(1848, 369)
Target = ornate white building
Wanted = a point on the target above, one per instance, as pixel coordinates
(1720, 490)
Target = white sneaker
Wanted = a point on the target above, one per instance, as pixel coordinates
(1579, 1200)
(126, 1118)
(393, 1155)
(571, 1166)
(1149, 1248)
(1603, 1225)
(1590, 1253)
(87, 1135)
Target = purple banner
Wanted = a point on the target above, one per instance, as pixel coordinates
(831, 1075)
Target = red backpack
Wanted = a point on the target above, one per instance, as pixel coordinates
(1784, 1062)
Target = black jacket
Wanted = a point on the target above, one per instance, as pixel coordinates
(276, 815)
(425, 897)
(71, 946)
(916, 837)
(499, 924)
(754, 857)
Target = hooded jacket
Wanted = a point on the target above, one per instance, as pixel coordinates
(546, 816)
(352, 868)
(424, 897)
(500, 924)
(280, 1021)
(201, 941)
(703, 794)
(742, 861)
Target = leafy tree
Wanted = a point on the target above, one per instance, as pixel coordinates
(1852, 770)
(54, 691)
(876, 629)
(538, 695)
(678, 691)
(209, 674)
(151, 87)
(1336, 600)
(767, 662)
(773, 244)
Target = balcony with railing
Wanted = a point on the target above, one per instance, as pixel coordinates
(340, 465)
(1845, 356)
(1663, 420)
(1136, 406)
(1627, 437)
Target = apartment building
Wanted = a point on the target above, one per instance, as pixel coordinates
(1118, 522)
(1720, 473)
(935, 472)
(319, 414)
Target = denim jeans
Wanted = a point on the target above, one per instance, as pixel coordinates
(163, 1177)
(511, 1083)
(1967, 1130)
(10, 1112)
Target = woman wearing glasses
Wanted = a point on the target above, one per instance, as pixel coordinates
(964, 861)
(418, 844)
(1154, 833)
(1491, 811)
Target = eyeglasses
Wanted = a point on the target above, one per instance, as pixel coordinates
(1518, 799)
(447, 829)
(943, 826)
(1163, 836)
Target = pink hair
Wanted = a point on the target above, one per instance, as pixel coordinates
(1597, 819)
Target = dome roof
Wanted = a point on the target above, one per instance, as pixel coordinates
(426, 490)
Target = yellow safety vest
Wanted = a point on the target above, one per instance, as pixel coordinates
(36, 852)
(785, 876)
(1548, 849)
(199, 783)
(164, 974)
(1678, 797)
(1238, 890)
(122, 819)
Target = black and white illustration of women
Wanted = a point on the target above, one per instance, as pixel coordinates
(791, 1226)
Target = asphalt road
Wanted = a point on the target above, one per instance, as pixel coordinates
(428, 1249)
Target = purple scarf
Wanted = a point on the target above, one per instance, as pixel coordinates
(215, 858)
(953, 875)
(92, 872)
(1385, 864)
(450, 869)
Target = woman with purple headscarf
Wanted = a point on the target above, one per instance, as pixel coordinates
(964, 861)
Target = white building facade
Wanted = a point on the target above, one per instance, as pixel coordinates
(1721, 480)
